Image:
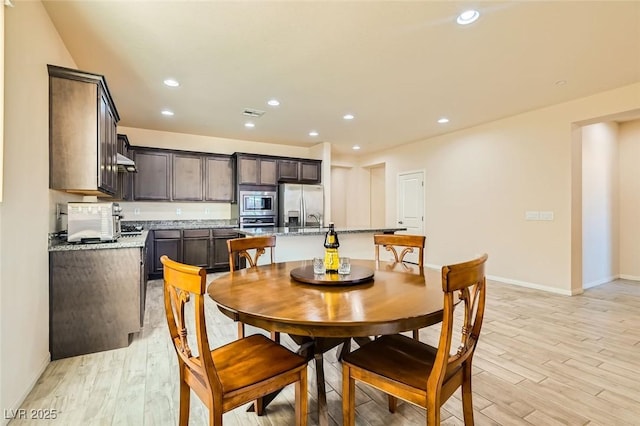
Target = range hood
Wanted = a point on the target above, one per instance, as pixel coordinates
(125, 164)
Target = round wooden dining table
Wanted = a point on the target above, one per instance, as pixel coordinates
(319, 316)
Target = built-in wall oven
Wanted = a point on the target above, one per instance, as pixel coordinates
(257, 208)
(258, 203)
(257, 222)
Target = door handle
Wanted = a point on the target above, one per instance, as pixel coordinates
(399, 222)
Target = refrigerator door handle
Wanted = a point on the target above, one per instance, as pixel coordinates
(303, 210)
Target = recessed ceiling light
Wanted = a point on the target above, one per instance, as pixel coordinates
(171, 82)
(249, 125)
(348, 117)
(443, 120)
(273, 102)
(356, 147)
(467, 17)
(313, 133)
(167, 112)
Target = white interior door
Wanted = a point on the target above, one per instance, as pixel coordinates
(411, 206)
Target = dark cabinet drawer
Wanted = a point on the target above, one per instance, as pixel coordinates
(227, 233)
(166, 234)
(195, 233)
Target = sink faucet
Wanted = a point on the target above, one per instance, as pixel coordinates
(316, 217)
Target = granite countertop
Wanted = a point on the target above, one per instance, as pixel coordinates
(293, 232)
(183, 224)
(129, 241)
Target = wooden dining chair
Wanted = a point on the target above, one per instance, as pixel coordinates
(392, 243)
(419, 373)
(250, 249)
(233, 374)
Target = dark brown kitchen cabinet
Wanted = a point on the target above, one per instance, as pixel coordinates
(310, 171)
(220, 252)
(219, 179)
(256, 170)
(125, 179)
(288, 170)
(94, 299)
(205, 247)
(82, 133)
(108, 146)
(187, 177)
(299, 170)
(167, 242)
(152, 182)
(196, 247)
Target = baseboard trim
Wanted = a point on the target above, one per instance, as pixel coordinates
(629, 277)
(600, 282)
(535, 286)
(16, 405)
(523, 284)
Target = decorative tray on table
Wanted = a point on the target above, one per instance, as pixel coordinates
(358, 275)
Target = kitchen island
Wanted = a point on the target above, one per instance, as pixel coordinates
(307, 243)
(96, 294)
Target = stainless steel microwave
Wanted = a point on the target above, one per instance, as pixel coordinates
(93, 222)
(258, 203)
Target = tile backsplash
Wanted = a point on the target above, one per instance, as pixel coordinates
(174, 211)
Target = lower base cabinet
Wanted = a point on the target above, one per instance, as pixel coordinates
(206, 248)
(96, 299)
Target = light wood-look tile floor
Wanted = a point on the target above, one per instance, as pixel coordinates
(543, 359)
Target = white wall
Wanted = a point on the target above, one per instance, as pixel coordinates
(378, 196)
(599, 203)
(31, 43)
(339, 196)
(168, 140)
(629, 165)
(480, 181)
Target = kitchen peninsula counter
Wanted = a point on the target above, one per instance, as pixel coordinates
(302, 231)
(307, 243)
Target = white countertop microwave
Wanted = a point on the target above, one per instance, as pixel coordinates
(97, 221)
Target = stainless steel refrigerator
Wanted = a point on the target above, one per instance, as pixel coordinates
(300, 205)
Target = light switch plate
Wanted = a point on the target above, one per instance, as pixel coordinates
(532, 215)
(546, 215)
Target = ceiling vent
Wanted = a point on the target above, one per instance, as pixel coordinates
(250, 112)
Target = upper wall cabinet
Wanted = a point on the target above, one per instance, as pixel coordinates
(82, 133)
(256, 170)
(187, 177)
(125, 179)
(299, 171)
(153, 180)
(219, 178)
(165, 175)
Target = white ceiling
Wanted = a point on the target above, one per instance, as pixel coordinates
(397, 66)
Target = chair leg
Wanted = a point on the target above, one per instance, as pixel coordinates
(275, 336)
(185, 398)
(433, 410)
(393, 403)
(467, 396)
(416, 334)
(215, 417)
(348, 397)
(302, 399)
